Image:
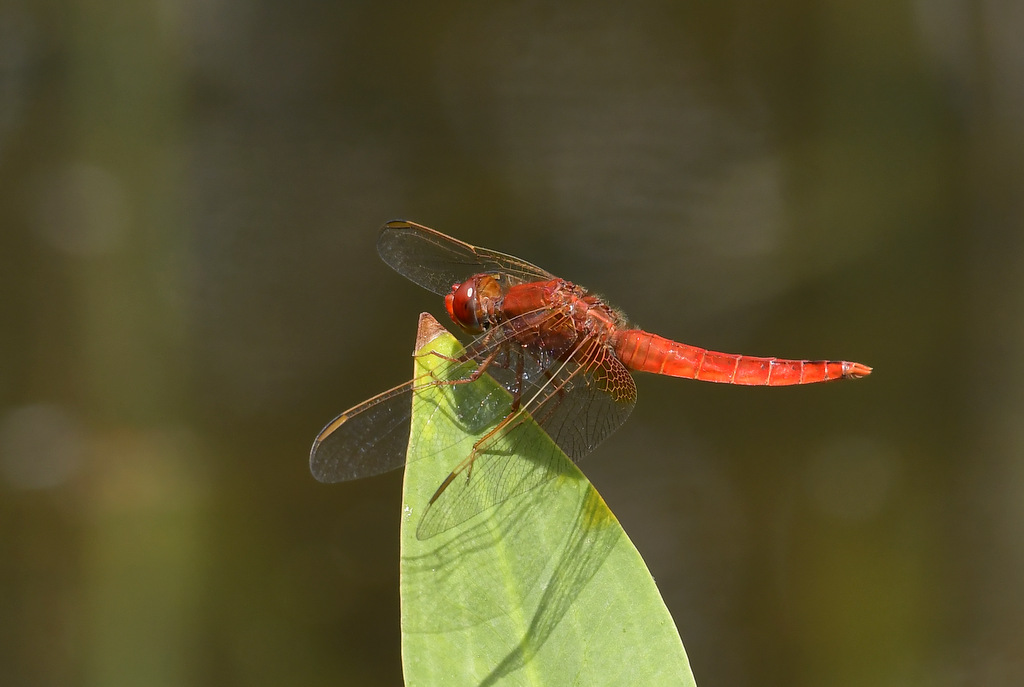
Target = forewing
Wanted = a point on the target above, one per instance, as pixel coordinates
(435, 261)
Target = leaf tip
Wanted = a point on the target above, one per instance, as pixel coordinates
(427, 330)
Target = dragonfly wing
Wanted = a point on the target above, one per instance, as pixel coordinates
(435, 261)
(369, 439)
(578, 406)
(578, 397)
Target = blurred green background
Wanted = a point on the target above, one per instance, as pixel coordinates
(189, 199)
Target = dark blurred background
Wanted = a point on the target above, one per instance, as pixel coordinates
(190, 194)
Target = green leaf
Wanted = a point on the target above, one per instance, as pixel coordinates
(543, 588)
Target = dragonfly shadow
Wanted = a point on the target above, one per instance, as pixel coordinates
(513, 565)
(468, 548)
(591, 538)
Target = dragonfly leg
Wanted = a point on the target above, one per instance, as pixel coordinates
(475, 374)
(442, 356)
(472, 377)
(509, 422)
(465, 357)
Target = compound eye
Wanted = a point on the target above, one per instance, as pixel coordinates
(463, 306)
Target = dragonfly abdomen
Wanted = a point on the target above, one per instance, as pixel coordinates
(645, 352)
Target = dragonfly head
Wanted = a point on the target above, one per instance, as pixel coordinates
(471, 303)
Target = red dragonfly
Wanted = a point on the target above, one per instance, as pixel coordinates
(563, 355)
